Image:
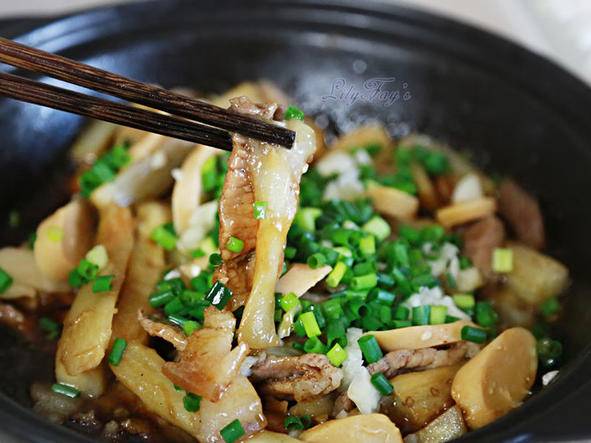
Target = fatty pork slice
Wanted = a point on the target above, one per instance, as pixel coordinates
(208, 364)
(259, 172)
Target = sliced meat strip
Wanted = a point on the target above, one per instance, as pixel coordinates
(426, 358)
(522, 211)
(297, 378)
(236, 211)
(208, 364)
(166, 332)
(268, 173)
(480, 240)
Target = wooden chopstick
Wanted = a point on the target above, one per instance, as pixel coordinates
(70, 71)
(43, 94)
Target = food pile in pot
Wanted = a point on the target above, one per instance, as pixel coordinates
(362, 290)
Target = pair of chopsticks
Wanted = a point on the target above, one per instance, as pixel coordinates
(189, 119)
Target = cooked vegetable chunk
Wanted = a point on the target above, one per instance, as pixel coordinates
(63, 238)
(140, 371)
(87, 327)
(535, 277)
(418, 337)
(146, 264)
(448, 426)
(393, 202)
(419, 397)
(370, 428)
(498, 379)
(460, 213)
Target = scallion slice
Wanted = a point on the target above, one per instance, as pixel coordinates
(68, 391)
(472, 334)
(382, 384)
(370, 349)
(337, 355)
(5, 281)
(219, 295)
(119, 346)
(235, 245)
(103, 283)
(191, 402)
(232, 431)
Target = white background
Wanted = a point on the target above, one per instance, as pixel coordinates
(559, 29)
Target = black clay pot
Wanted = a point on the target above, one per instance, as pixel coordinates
(351, 62)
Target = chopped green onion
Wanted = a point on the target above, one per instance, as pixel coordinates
(485, 314)
(117, 351)
(164, 237)
(465, 262)
(209, 174)
(316, 260)
(311, 327)
(548, 348)
(289, 301)
(464, 301)
(293, 112)
(502, 260)
(161, 298)
(370, 349)
(472, 334)
(260, 210)
(191, 402)
(305, 218)
(75, 280)
(31, 240)
(232, 432)
(401, 313)
(343, 251)
(367, 281)
(5, 281)
(400, 252)
(189, 326)
(219, 295)
(50, 327)
(198, 253)
(401, 324)
(451, 280)
(173, 307)
(382, 297)
(451, 319)
(314, 345)
(290, 252)
(215, 259)
(332, 309)
(68, 391)
(103, 283)
(14, 219)
(98, 256)
(335, 276)
(421, 315)
(235, 245)
(367, 245)
(438, 314)
(382, 384)
(550, 307)
(295, 423)
(87, 270)
(337, 355)
(378, 227)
